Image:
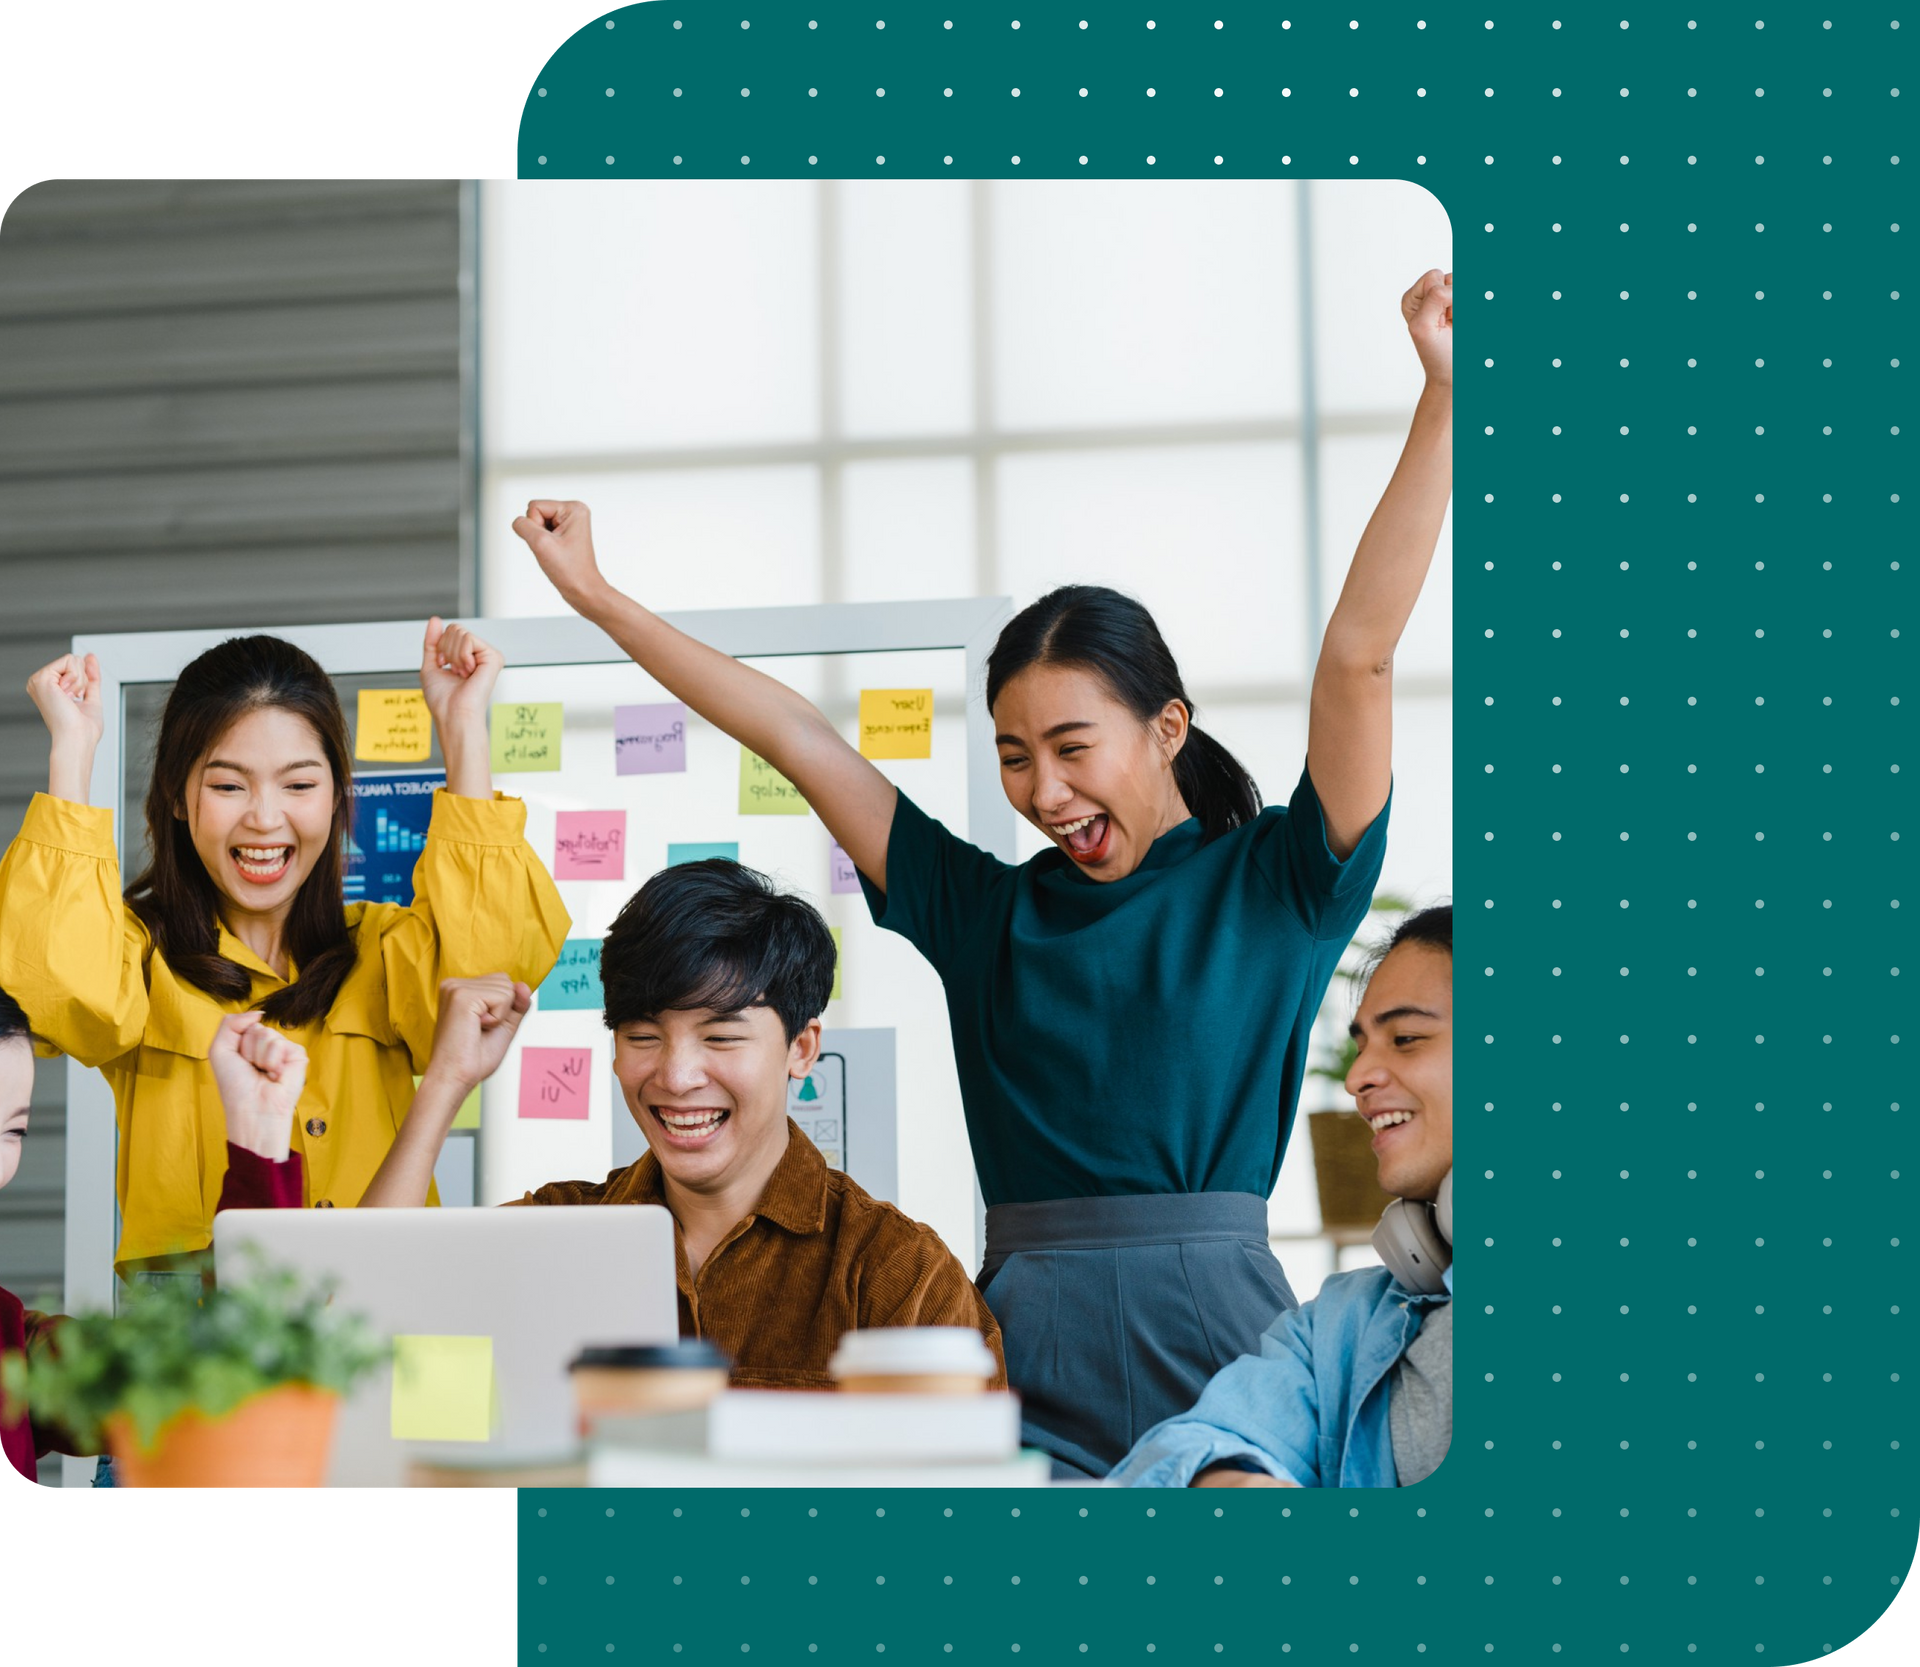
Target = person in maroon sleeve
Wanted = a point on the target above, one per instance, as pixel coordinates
(259, 1073)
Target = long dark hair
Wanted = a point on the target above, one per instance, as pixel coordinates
(1111, 635)
(176, 897)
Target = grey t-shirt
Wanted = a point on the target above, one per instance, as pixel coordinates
(1420, 1399)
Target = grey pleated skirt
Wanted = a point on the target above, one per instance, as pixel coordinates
(1114, 1312)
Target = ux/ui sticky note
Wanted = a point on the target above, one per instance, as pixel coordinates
(590, 845)
(764, 791)
(846, 878)
(468, 1116)
(393, 727)
(896, 723)
(839, 961)
(553, 1083)
(698, 852)
(650, 740)
(443, 1389)
(575, 979)
(527, 737)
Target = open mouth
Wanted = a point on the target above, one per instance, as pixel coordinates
(1383, 1123)
(689, 1127)
(1085, 839)
(262, 864)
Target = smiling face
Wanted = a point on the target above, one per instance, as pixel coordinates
(260, 808)
(1403, 1079)
(16, 1092)
(1085, 771)
(709, 1091)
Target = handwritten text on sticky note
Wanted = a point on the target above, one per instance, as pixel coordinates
(896, 723)
(590, 845)
(846, 878)
(649, 740)
(527, 737)
(764, 791)
(698, 851)
(443, 1388)
(575, 979)
(393, 727)
(553, 1082)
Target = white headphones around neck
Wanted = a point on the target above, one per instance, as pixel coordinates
(1415, 1240)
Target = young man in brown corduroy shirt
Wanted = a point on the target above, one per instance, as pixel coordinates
(714, 982)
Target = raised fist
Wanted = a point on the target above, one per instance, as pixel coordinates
(1428, 311)
(560, 534)
(260, 1074)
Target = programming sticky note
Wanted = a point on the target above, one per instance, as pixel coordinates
(896, 723)
(590, 845)
(575, 979)
(468, 1116)
(839, 961)
(697, 851)
(764, 791)
(443, 1388)
(650, 740)
(553, 1083)
(846, 878)
(527, 737)
(393, 727)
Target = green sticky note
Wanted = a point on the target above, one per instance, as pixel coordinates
(468, 1116)
(839, 960)
(443, 1389)
(700, 850)
(764, 791)
(527, 737)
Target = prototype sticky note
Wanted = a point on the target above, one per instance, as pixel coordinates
(590, 845)
(839, 961)
(896, 723)
(553, 1083)
(698, 852)
(846, 878)
(468, 1116)
(650, 740)
(527, 737)
(443, 1388)
(764, 791)
(393, 727)
(575, 979)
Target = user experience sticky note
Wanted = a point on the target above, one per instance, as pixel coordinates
(553, 1083)
(896, 723)
(698, 851)
(590, 845)
(443, 1388)
(846, 878)
(575, 979)
(393, 727)
(650, 740)
(764, 791)
(468, 1116)
(839, 961)
(527, 737)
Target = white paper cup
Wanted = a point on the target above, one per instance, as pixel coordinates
(914, 1360)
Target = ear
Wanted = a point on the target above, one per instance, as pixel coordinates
(1171, 726)
(804, 1052)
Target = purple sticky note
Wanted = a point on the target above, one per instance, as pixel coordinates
(845, 877)
(590, 845)
(650, 740)
(553, 1082)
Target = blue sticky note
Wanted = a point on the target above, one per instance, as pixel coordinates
(575, 979)
(728, 848)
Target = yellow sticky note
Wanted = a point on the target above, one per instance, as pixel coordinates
(443, 1389)
(896, 723)
(468, 1116)
(393, 727)
(764, 791)
(527, 737)
(839, 961)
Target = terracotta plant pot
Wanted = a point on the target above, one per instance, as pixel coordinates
(279, 1438)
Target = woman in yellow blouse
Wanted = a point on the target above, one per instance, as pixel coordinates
(240, 907)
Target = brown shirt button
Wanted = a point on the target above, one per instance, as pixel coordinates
(323, 1203)
(316, 1126)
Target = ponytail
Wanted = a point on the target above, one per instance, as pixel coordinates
(1214, 783)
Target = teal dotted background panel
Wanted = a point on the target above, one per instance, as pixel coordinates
(1680, 598)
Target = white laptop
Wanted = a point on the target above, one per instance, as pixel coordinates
(489, 1306)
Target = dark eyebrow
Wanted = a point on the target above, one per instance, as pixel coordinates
(242, 770)
(1382, 1020)
(1057, 730)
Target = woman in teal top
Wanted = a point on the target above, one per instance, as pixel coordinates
(1131, 1008)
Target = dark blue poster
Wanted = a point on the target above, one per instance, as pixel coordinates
(390, 815)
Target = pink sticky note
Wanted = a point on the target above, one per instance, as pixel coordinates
(553, 1082)
(650, 740)
(845, 877)
(590, 845)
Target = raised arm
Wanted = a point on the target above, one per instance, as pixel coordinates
(1350, 727)
(67, 693)
(853, 798)
(457, 675)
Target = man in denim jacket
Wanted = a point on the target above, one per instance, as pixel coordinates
(1355, 1389)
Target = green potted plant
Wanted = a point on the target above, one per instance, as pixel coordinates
(234, 1386)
